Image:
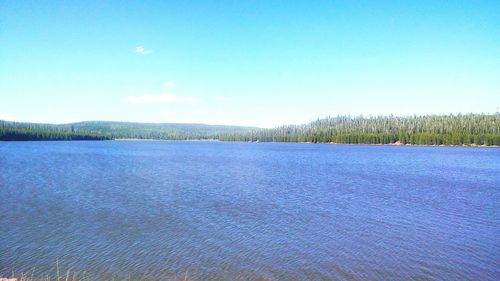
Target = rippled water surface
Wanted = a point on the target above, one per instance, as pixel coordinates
(246, 211)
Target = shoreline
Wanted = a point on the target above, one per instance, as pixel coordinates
(225, 141)
(423, 145)
(331, 143)
(194, 140)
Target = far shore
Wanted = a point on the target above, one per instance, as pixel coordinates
(305, 142)
(133, 139)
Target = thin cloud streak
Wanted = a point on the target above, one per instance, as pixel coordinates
(201, 111)
(7, 117)
(140, 50)
(164, 98)
(221, 98)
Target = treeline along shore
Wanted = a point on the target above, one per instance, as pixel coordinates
(466, 129)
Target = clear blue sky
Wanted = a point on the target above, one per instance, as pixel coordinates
(262, 63)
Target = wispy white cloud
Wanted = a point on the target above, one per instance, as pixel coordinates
(201, 111)
(7, 117)
(140, 50)
(169, 114)
(167, 97)
(220, 98)
(164, 98)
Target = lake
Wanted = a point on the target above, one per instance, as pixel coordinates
(249, 211)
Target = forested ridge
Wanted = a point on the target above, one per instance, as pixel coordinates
(478, 129)
(106, 130)
(17, 131)
(467, 129)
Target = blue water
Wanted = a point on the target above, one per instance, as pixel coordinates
(247, 211)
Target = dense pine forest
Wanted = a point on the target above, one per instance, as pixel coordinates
(469, 129)
(103, 130)
(16, 131)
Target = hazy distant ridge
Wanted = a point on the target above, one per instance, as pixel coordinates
(107, 130)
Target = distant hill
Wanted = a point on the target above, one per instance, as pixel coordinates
(461, 129)
(106, 130)
(164, 131)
